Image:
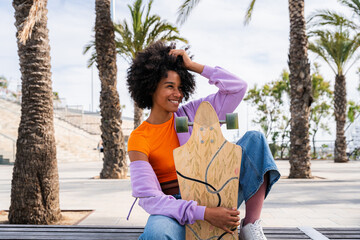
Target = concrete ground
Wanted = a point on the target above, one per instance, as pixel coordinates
(330, 200)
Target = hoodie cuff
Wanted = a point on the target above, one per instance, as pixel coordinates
(199, 213)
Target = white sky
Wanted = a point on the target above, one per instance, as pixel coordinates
(257, 53)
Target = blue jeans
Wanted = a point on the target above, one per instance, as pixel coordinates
(256, 162)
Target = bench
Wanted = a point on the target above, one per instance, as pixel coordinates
(75, 232)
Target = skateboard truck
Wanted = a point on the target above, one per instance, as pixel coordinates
(182, 123)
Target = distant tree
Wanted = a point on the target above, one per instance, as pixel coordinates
(353, 112)
(3, 82)
(282, 90)
(267, 106)
(269, 103)
(132, 38)
(337, 45)
(35, 181)
(56, 96)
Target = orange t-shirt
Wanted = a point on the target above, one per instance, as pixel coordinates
(157, 141)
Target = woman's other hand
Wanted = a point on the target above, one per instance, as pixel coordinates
(224, 218)
(188, 63)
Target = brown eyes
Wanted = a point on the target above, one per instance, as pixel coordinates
(172, 86)
(180, 89)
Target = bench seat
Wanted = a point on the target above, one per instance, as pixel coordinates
(75, 232)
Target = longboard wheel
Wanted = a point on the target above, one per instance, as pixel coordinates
(181, 124)
(232, 121)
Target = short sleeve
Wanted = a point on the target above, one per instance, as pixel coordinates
(137, 142)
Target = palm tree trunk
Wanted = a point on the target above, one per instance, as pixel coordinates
(301, 96)
(138, 113)
(314, 148)
(115, 165)
(340, 118)
(35, 182)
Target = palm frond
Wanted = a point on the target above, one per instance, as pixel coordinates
(174, 38)
(125, 39)
(144, 29)
(355, 60)
(249, 12)
(185, 10)
(354, 46)
(150, 22)
(149, 9)
(136, 15)
(319, 50)
(87, 48)
(352, 4)
(91, 60)
(338, 48)
(328, 17)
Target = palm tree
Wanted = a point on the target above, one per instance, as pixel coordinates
(300, 81)
(115, 165)
(133, 38)
(337, 48)
(35, 182)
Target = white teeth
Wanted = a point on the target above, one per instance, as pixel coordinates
(174, 101)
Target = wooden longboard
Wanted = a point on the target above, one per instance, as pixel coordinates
(208, 170)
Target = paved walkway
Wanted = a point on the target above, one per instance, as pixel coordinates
(331, 200)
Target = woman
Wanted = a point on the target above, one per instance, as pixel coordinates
(159, 79)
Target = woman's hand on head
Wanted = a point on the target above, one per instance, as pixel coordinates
(188, 63)
(224, 218)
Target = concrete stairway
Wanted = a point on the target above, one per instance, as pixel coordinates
(72, 143)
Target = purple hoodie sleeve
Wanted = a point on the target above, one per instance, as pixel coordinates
(231, 91)
(145, 186)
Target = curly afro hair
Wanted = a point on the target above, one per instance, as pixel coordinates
(149, 67)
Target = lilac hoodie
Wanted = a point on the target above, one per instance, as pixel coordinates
(144, 182)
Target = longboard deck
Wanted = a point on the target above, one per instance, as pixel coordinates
(208, 169)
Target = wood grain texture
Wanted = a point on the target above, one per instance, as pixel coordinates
(208, 157)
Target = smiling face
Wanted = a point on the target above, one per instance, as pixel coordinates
(168, 94)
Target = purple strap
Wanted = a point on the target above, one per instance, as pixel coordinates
(127, 218)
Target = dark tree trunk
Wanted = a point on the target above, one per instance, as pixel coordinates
(115, 165)
(35, 182)
(138, 116)
(340, 118)
(301, 96)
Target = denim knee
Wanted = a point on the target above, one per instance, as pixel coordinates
(254, 134)
(257, 160)
(163, 228)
